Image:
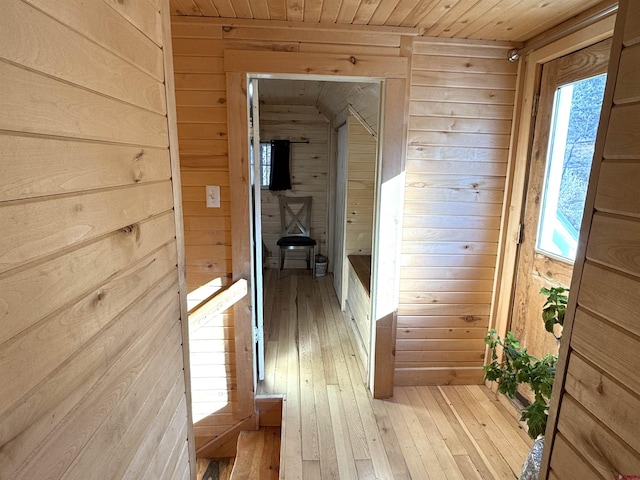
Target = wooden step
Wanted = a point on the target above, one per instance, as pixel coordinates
(214, 469)
(258, 455)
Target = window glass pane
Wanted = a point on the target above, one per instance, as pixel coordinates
(574, 126)
(265, 164)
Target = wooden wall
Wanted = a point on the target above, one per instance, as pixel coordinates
(594, 423)
(361, 185)
(461, 106)
(91, 357)
(309, 174)
(202, 129)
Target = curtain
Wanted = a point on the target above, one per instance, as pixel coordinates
(280, 176)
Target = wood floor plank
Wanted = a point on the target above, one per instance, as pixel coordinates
(471, 449)
(293, 439)
(408, 446)
(420, 433)
(507, 449)
(346, 462)
(427, 453)
(496, 411)
(307, 398)
(475, 431)
(440, 449)
(441, 422)
(397, 462)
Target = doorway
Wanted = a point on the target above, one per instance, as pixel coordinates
(566, 123)
(309, 114)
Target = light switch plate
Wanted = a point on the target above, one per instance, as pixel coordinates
(213, 196)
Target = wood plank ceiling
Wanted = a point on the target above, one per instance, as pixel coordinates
(328, 97)
(511, 20)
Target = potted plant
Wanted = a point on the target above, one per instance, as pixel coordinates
(518, 367)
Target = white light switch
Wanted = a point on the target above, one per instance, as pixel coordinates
(213, 196)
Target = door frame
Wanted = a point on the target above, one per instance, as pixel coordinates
(393, 72)
(529, 79)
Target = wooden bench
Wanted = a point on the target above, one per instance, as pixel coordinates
(359, 301)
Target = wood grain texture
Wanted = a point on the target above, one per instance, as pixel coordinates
(448, 207)
(599, 387)
(73, 112)
(417, 429)
(489, 20)
(91, 342)
(27, 37)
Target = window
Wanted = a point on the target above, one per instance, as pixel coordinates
(265, 164)
(574, 126)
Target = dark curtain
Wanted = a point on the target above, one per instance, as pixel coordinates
(280, 176)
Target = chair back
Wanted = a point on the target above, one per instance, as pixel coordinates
(295, 216)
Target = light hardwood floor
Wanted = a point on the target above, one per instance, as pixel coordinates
(333, 429)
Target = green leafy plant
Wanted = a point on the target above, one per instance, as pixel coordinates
(516, 366)
(554, 308)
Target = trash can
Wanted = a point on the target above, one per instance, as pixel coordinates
(321, 265)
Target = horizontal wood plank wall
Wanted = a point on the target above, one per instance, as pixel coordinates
(594, 419)
(462, 96)
(309, 174)
(91, 359)
(361, 181)
(202, 129)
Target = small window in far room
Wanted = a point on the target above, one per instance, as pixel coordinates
(265, 164)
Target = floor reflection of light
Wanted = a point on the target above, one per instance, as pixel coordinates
(210, 375)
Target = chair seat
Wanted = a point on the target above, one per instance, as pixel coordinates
(296, 241)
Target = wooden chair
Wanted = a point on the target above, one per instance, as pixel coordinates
(295, 220)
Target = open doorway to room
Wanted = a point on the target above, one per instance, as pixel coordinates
(330, 130)
(569, 104)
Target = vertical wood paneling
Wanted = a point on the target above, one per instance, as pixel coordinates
(309, 174)
(91, 319)
(460, 119)
(361, 181)
(597, 393)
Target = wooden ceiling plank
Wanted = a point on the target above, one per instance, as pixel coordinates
(533, 16)
(402, 10)
(277, 9)
(469, 16)
(225, 8)
(242, 8)
(295, 10)
(421, 12)
(312, 11)
(330, 10)
(260, 9)
(365, 12)
(348, 11)
(454, 13)
(177, 8)
(206, 8)
(548, 24)
(385, 8)
(488, 19)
